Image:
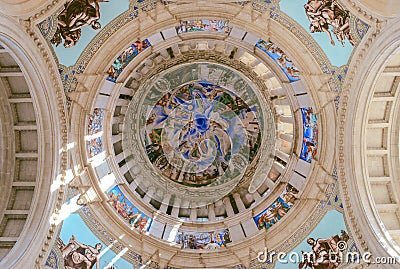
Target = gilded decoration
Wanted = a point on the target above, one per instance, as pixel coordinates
(75, 15)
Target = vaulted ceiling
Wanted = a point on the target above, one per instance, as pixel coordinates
(195, 134)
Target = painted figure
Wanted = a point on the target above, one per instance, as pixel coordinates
(203, 240)
(80, 256)
(125, 58)
(310, 134)
(278, 209)
(203, 25)
(325, 13)
(75, 15)
(280, 57)
(128, 211)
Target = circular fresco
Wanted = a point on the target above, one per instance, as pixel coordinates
(194, 132)
(201, 133)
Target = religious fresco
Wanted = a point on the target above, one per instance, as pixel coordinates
(125, 58)
(203, 240)
(280, 57)
(310, 135)
(79, 255)
(81, 249)
(194, 132)
(112, 17)
(204, 25)
(95, 127)
(329, 239)
(279, 208)
(128, 211)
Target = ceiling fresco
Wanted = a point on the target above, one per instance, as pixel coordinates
(310, 134)
(199, 132)
(194, 131)
(203, 26)
(125, 58)
(128, 211)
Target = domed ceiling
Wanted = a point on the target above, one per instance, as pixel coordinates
(202, 134)
(203, 126)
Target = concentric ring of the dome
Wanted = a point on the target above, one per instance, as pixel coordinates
(295, 120)
(235, 138)
(325, 98)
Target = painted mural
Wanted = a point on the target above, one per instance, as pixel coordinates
(203, 240)
(310, 135)
(194, 132)
(128, 211)
(125, 58)
(325, 247)
(203, 25)
(280, 57)
(329, 17)
(81, 249)
(95, 127)
(279, 208)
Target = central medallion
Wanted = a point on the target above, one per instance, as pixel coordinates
(195, 131)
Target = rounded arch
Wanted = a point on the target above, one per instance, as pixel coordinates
(36, 127)
(366, 131)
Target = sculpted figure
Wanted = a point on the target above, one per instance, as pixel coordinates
(75, 15)
(325, 253)
(325, 13)
(80, 256)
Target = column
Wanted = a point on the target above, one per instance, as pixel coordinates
(239, 203)
(228, 207)
(211, 212)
